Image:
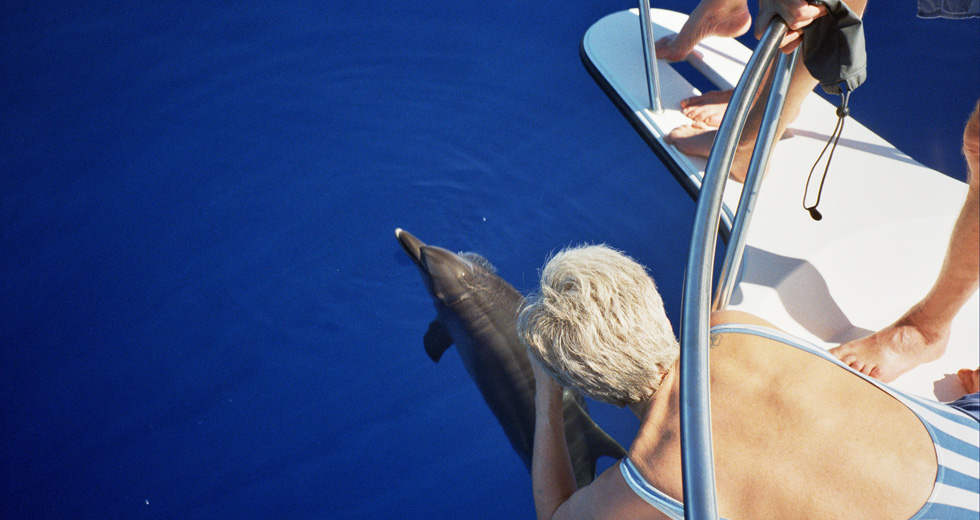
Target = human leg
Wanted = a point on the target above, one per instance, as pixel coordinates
(921, 335)
(697, 138)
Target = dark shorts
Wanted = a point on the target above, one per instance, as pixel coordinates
(955, 9)
(968, 404)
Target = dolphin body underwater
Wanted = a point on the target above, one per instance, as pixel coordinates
(477, 311)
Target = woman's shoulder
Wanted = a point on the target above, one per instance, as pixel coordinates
(725, 317)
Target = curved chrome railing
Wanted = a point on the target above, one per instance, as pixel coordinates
(697, 459)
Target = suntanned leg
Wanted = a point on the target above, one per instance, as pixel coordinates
(697, 138)
(689, 138)
(921, 335)
(727, 18)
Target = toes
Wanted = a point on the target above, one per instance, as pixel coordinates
(707, 118)
(875, 373)
(670, 48)
(693, 114)
(695, 139)
(707, 108)
(681, 132)
(665, 41)
(970, 379)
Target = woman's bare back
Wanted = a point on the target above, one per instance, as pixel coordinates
(795, 436)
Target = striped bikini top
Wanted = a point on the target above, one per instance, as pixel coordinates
(955, 435)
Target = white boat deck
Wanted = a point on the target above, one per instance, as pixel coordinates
(886, 218)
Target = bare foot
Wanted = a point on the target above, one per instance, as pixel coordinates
(708, 108)
(727, 18)
(970, 380)
(697, 138)
(895, 350)
(693, 139)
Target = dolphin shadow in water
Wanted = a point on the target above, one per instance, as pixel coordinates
(477, 311)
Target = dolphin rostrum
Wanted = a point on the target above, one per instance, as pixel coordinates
(477, 311)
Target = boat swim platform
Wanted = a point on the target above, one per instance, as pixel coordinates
(886, 218)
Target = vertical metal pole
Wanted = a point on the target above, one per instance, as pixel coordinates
(782, 74)
(697, 459)
(650, 55)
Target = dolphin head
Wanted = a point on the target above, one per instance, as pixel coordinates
(448, 276)
(411, 245)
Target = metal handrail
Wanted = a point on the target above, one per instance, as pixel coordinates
(782, 75)
(697, 460)
(650, 57)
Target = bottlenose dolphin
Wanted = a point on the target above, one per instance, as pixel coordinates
(477, 311)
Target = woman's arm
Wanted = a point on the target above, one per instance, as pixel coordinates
(552, 476)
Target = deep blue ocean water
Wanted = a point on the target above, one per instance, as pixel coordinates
(203, 309)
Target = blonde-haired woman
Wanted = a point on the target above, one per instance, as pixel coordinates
(796, 433)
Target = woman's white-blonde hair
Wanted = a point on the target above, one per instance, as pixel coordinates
(598, 325)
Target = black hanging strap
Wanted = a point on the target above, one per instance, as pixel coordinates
(842, 113)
